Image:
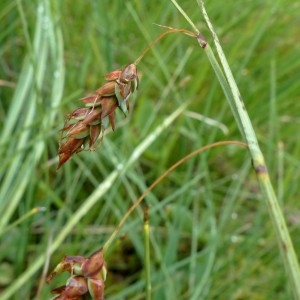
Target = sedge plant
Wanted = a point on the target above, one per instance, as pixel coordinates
(115, 97)
(86, 125)
(237, 106)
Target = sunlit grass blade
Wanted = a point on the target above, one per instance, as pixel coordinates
(283, 236)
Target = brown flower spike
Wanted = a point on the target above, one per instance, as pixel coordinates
(87, 276)
(85, 125)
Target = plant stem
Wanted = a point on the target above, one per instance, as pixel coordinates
(147, 253)
(242, 118)
(185, 15)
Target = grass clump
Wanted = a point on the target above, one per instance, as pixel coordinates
(210, 235)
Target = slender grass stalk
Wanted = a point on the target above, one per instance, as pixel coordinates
(283, 236)
(237, 106)
(147, 253)
(185, 15)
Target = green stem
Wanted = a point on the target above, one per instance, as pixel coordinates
(237, 106)
(147, 253)
(185, 15)
(242, 118)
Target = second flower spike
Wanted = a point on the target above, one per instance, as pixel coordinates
(84, 126)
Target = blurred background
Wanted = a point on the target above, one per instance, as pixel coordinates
(211, 236)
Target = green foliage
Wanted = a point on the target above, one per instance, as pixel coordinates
(210, 236)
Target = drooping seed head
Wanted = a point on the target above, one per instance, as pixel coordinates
(85, 125)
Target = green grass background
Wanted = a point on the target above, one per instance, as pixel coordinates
(211, 237)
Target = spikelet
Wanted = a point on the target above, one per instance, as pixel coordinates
(87, 276)
(84, 126)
